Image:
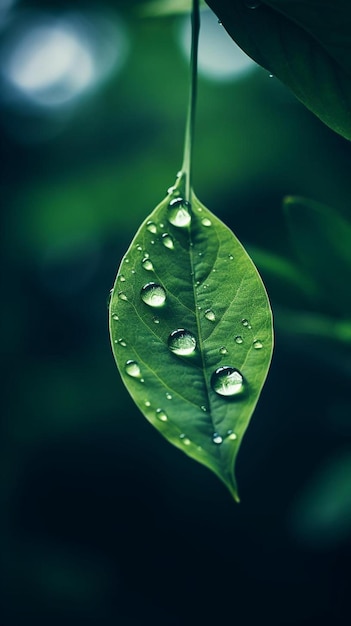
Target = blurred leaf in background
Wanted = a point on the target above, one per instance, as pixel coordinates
(93, 530)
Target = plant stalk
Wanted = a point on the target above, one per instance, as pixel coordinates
(190, 121)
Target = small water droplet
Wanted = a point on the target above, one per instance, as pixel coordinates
(126, 260)
(147, 403)
(153, 295)
(161, 225)
(257, 344)
(227, 381)
(203, 408)
(121, 342)
(200, 254)
(231, 435)
(167, 241)
(186, 441)
(169, 396)
(220, 23)
(156, 320)
(152, 242)
(147, 265)
(182, 342)
(206, 222)
(178, 213)
(146, 255)
(139, 247)
(216, 438)
(239, 339)
(223, 350)
(122, 295)
(170, 190)
(246, 323)
(230, 257)
(270, 75)
(133, 272)
(209, 314)
(122, 278)
(115, 317)
(252, 4)
(132, 368)
(162, 415)
(151, 227)
(142, 380)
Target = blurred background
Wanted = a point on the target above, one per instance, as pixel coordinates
(103, 522)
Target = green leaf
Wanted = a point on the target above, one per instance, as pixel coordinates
(196, 278)
(306, 44)
(322, 242)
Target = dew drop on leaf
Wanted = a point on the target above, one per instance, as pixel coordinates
(239, 339)
(182, 342)
(252, 4)
(179, 213)
(139, 247)
(147, 264)
(223, 350)
(257, 344)
(122, 295)
(156, 320)
(167, 241)
(161, 415)
(121, 278)
(169, 396)
(227, 381)
(216, 438)
(206, 222)
(231, 435)
(153, 295)
(151, 227)
(115, 317)
(246, 323)
(132, 368)
(209, 314)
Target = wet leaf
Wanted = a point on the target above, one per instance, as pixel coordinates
(306, 44)
(191, 331)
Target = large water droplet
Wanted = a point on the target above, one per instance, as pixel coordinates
(216, 438)
(178, 213)
(223, 350)
(167, 241)
(257, 344)
(206, 222)
(182, 342)
(115, 317)
(153, 295)
(227, 381)
(132, 368)
(122, 278)
(122, 295)
(151, 227)
(239, 339)
(147, 265)
(162, 415)
(209, 314)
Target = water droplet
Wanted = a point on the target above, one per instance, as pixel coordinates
(270, 75)
(153, 295)
(246, 323)
(186, 441)
(147, 265)
(239, 339)
(178, 213)
(182, 342)
(209, 314)
(257, 344)
(139, 247)
(220, 23)
(216, 438)
(133, 272)
(161, 225)
(167, 241)
(206, 222)
(147, 403)
(126, 260)
(230, 257)
(121, 342)
(227, 381)
(132, 369)
(252, 4)
(162, 415)
(115, 317)
(200, 254)
(121, 278)
(146, 255)
(122, 295)
(169, 396)
(232, 436)
(156, 320)
(152, 242)
(223, 350)
(203, 408)
(170, 190)
(151, 227)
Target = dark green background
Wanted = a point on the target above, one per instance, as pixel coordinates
(103, 522)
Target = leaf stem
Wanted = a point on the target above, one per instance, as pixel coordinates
(190, 121)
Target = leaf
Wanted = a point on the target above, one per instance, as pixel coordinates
(306, 44)
(197, 279)
(322, 242)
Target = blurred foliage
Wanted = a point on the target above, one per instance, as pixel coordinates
(100, 522)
